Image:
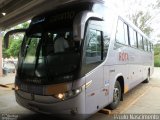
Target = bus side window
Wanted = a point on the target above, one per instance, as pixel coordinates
(120, 34)
(145, 44)
(149, 46)
(126, 33)
(140, 41)
(132, 35)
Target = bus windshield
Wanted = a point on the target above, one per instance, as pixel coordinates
(50, 57)
(48, 53)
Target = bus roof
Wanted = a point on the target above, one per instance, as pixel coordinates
(70, 3)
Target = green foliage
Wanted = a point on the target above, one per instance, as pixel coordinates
(157, 55)
(157, 50)
(157, 60)
(5, 53)
(13, 49)
(15, 42)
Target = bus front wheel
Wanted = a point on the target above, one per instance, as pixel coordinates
(116, 95)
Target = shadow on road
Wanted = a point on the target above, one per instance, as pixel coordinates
(37, 117)
(48, 117)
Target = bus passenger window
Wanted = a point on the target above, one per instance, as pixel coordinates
(126, 33)
(132, 35)
(140, 42)
(120, 34)
(145, 44)
(149, 46)
(94, 47)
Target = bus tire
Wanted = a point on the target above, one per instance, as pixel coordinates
(148, 78)
(116, 96)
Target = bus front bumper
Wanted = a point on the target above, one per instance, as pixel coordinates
(71, 106)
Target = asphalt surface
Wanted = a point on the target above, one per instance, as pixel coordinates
(143, 99)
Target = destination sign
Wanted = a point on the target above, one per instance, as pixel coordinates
(69, 15)
(61, 18)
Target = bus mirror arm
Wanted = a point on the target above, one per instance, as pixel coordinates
(7, 35)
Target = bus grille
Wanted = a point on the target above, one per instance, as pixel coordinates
(34, 89)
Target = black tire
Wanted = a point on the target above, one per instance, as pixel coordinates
(148, 78)
(116, 96)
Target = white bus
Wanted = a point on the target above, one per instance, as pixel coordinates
(104, 58)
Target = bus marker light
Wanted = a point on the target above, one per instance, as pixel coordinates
(126, 88)
(88, 84)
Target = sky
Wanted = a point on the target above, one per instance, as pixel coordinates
(125, 7)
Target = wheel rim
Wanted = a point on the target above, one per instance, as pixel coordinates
(116, 95)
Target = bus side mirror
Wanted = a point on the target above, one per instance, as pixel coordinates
(7, 35)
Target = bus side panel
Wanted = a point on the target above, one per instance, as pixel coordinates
(116, 68)
(135, 67)
(96, 93)
(115, 72)
(139, 64)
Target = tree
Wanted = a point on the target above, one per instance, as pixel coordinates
(141, 20)
(14, 48)
(15, 42)
(157, 55)
(143, 13)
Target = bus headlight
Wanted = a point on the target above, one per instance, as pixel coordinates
(68, 94)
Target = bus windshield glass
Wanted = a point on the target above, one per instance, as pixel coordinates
(50, 56)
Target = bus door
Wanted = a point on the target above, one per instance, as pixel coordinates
(93, 57)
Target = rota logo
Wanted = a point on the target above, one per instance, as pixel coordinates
(123, 56)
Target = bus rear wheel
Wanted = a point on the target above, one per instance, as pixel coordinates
(116, 95)
(148, 78)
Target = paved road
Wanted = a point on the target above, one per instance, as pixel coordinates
(142, 99)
